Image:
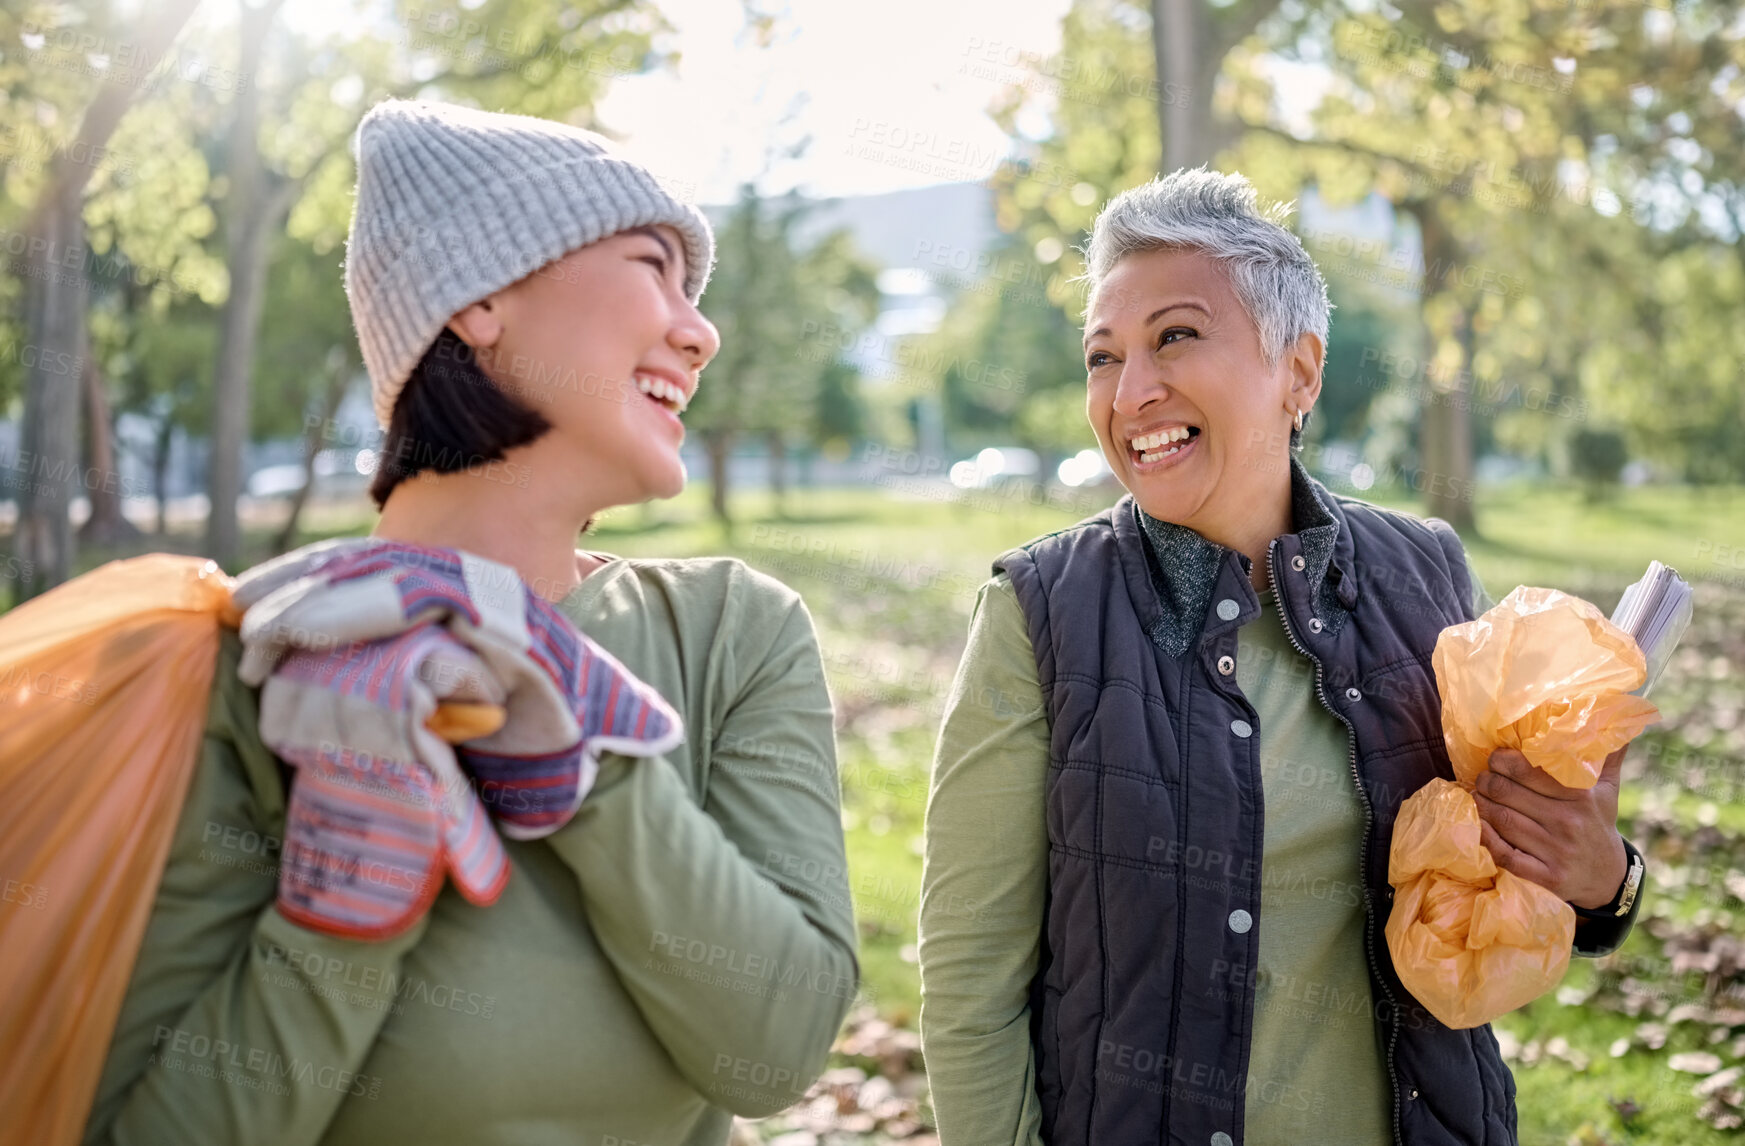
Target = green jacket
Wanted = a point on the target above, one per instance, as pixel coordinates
(682, 951)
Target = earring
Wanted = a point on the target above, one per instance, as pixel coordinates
(1298, 420)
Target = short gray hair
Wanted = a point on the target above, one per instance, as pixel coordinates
(1273, 276)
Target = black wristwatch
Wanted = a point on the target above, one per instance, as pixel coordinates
(1626, 897)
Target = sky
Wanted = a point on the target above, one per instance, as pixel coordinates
(890, 97)
(894, 100)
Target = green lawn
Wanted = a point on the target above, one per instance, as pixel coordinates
(890, 582)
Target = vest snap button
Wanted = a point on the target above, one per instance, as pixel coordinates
(1297, 563)
(1414, 1093)
(1222, 1139)
(1241, 728)
(1314, 624)
(1226, 665)
(1227, 609)
(1353, 695)
(1241, 921)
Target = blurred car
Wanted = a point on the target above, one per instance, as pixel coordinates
(275, 481)
(1085, 468)
(333, 469)
(996, 466)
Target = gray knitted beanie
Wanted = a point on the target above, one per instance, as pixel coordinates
(454, 204)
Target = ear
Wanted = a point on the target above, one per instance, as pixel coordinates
(479, 325)
(1303, 366)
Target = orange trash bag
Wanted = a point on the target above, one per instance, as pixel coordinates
(104, 685)
(1548, 675)
(103, 692)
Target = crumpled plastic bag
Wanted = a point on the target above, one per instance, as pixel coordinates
(104, 684)
(1543, 673)
(1548, 675)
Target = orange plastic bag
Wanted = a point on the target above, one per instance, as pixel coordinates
(1548, 675)
(104, 683)
(103, 692)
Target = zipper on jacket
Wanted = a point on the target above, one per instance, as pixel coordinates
(1368, 827)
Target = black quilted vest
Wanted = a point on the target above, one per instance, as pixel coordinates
(1142, 1009)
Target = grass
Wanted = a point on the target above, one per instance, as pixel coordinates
(1583, 1071)
(1559, 1104)
(1539, 536)
(890, 582)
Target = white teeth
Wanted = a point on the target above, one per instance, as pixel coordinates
(1161, 438)
(662, 389)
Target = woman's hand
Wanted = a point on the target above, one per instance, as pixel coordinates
(1563, 839)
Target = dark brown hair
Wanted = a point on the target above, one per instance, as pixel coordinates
(450, 417)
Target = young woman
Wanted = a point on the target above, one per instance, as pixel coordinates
(526, 304)
(1156, 868)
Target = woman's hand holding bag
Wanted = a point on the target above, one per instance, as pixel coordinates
(1547, 676)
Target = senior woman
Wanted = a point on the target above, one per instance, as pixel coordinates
(1161, 808)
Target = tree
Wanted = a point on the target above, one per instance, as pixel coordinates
(165, 371)
(1497, 128)
(835, 286)
(261, 135)
(304, 370)
(1476, 122)
(56, 303)
(786, 311)
(252, 210)
(1005, 352)
(149, 226)
(1668, 376)
(1190, 41)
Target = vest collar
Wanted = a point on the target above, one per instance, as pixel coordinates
(1185, 570)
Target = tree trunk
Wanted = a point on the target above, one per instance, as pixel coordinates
(1177, 43)
(719, 447)
(107, 525)
(249, 218)
(160, 471)
(331, 397)
(778, 471)
(55, 309)
(1445, 428)
(1189, 40)
(55, 321)
(1446, 437)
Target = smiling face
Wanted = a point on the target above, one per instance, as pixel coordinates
(1191, 417)
(604, 344)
